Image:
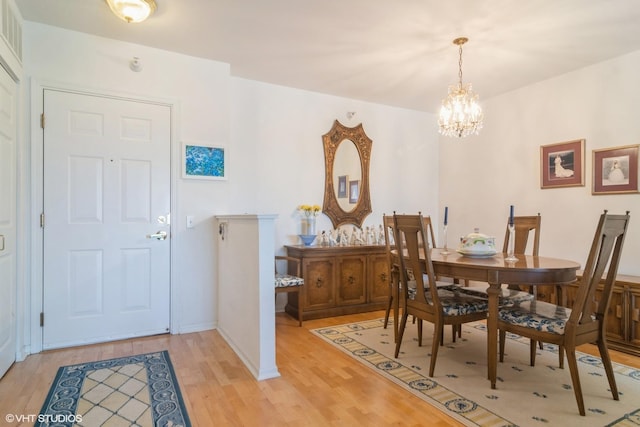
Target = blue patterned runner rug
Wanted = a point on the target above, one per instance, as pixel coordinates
(139, 390)
(525, 396)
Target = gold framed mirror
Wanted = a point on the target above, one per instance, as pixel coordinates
(347, 152)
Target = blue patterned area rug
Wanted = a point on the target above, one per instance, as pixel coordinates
(139, 390)
(525, 396)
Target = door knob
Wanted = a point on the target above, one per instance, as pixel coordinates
(160, 235)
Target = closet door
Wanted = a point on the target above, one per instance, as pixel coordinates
(8, 131)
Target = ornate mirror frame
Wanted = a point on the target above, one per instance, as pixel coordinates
(332, 141)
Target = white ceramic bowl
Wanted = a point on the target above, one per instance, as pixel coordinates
(477, 243)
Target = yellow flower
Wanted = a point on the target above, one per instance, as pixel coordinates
(308, 210)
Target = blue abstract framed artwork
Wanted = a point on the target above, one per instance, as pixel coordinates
(204, 161)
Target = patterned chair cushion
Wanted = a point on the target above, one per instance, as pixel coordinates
(439, 284)
(455, 303)
(505, 297)
(538, 315)
(285, 281)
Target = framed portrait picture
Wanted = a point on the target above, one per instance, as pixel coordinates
(354, 191)
(615, 170)
(562, 164)
(342, 186)
(201, 160)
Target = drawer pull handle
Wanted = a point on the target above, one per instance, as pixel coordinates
(319, 282)
(351, 280)
(383, 277)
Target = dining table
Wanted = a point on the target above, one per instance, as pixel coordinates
(496, 271)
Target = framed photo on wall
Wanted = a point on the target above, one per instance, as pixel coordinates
(562, 164)
(202, 160)
(354, 191)
(342, 186)
(615, 170)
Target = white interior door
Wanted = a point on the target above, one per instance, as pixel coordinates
(106, 193)
(8, 129)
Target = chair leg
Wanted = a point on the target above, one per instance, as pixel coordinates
(502, 339)
(532, 352)
(388, 311)
(438, 332)
(561, 356)
(575, 379)
(606, 361)
(419, 331)
(403, 323)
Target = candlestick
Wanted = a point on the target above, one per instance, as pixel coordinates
(511, 244)
(511, 215)
(445, 250)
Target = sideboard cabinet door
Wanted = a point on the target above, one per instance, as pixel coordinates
(351, 280)
(319, 288)
(379, 278)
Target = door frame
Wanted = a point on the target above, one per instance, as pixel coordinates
(36, 294)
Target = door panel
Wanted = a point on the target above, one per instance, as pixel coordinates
(106, 189)
(318, 290)
(351, 285)
(8, 129)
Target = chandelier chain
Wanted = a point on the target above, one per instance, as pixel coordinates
(460, 65)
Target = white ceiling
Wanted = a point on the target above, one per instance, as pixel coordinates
(397, 53)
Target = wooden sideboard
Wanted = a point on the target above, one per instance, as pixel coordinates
(623, 316)
(340, 280)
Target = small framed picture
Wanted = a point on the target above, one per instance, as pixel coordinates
(342, 186)
(354, 191)
(202, 160)
(615, 170)
(562, 164)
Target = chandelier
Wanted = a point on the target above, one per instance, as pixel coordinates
(460, 114)
(132, 10)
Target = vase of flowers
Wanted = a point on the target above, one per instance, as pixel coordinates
(308, 214)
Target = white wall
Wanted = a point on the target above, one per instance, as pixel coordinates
(283, 128)
(273, 137)
(482, 175)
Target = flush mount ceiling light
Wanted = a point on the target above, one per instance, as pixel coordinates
(132, 10)
(460, 114)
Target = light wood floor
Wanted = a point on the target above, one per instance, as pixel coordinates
(319, 385)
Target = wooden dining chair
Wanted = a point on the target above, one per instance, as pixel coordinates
(387, 223)
(285, 282)
(440, 306)
(585, 321)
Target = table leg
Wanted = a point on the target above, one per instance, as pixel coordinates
(395, 285)
(492, 332)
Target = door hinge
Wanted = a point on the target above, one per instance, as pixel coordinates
(42, 120)
(41, 318)
(42, 220)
